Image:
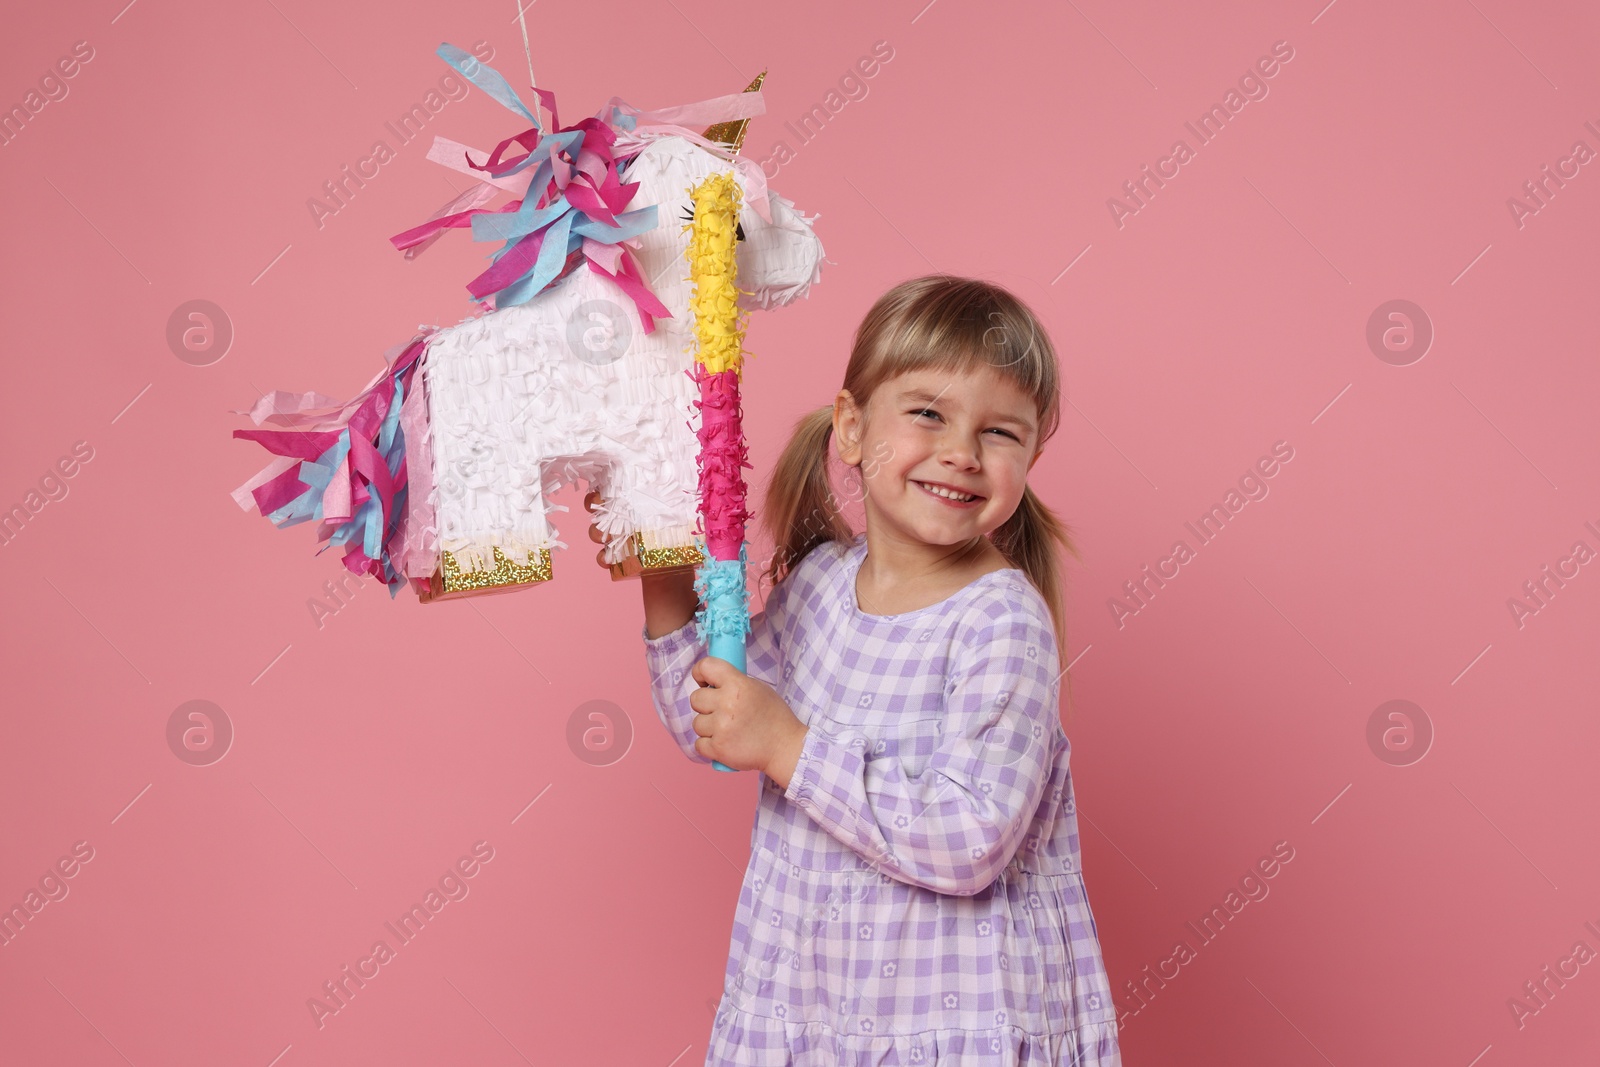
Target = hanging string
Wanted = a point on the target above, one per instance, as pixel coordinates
(538, 105)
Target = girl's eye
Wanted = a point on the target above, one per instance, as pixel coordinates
(934, 414)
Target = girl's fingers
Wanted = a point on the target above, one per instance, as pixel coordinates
(589, 501)
(709, 670)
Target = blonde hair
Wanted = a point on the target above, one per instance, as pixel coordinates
(944, 323)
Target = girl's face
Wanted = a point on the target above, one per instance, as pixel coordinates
(930, 437)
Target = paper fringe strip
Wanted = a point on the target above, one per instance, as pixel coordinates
(719, 336)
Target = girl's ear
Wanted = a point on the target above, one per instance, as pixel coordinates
(847, 428)
(1035, 458)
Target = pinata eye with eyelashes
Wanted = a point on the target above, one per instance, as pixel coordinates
(688, 217)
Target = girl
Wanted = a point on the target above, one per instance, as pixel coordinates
(914, 893)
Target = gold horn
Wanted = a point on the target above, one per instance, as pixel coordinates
(732, 133)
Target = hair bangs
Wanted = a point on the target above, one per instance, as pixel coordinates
(960, 326)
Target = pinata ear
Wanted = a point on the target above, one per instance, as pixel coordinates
(732, 133)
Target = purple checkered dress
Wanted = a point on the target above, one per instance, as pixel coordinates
(915, 896)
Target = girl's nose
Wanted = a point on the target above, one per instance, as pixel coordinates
(959, 453)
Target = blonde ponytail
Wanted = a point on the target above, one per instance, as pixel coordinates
(801, 512)
(1028, 540)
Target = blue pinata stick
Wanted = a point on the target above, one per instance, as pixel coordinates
(721, 585)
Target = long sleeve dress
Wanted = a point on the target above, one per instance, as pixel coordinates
(915, 896)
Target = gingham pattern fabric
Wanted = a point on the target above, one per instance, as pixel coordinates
(915, 895)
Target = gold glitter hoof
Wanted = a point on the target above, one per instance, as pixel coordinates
(451, 582)
(641, 560)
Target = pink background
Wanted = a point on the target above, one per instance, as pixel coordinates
(1229, 714)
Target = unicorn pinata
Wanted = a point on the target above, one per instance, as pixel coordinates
(440, 471)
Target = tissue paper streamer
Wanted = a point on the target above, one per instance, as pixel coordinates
(345, 465)
(579, 209)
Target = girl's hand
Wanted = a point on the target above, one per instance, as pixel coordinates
(590, 499)
(669, 598)
(742, 722)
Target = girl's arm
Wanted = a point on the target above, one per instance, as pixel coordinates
(955, 828)
(669, 602)
(673, 645)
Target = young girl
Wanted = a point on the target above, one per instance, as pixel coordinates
(914, 893)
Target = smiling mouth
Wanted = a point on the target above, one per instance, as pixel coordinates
(944, 493)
